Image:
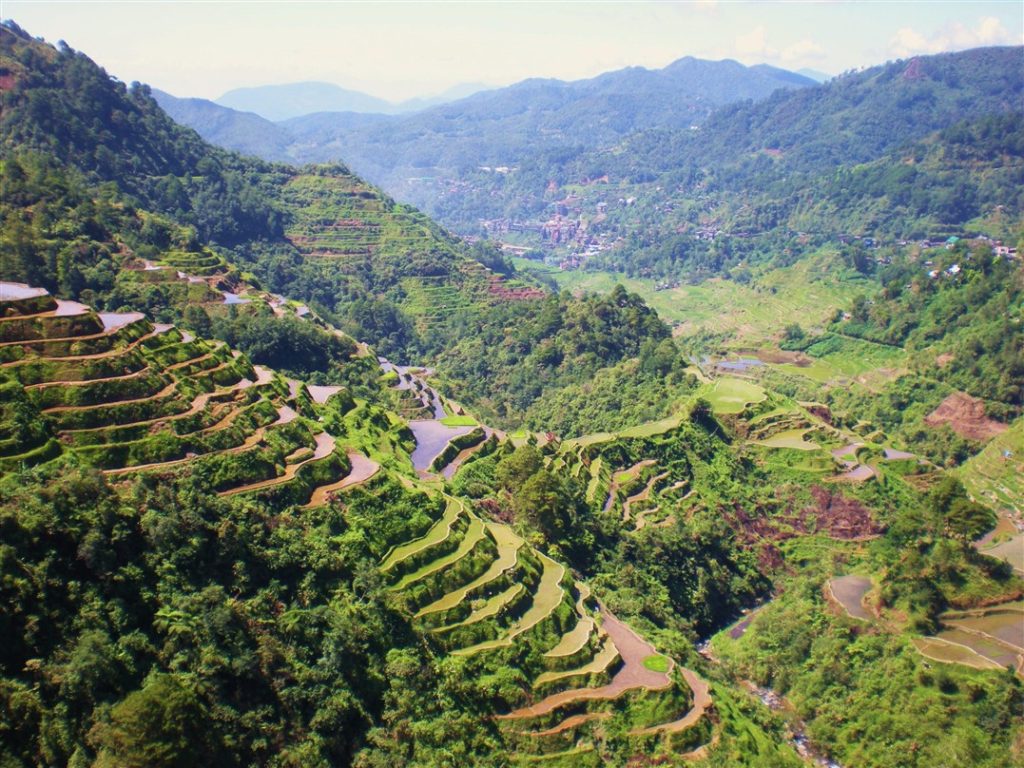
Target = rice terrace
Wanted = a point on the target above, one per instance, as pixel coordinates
(516, 412)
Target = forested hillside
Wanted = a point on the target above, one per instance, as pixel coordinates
(412, 155)
(380, 271)
(881, 153)
(292, 476)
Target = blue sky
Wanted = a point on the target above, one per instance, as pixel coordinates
(403, 49)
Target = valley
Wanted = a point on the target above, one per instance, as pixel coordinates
(293, 475)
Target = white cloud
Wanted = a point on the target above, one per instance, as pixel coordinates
(754, 44)
(802, 51)
(755, 47)
(953, 37)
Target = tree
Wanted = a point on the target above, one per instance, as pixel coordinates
(515, 469)
(793, 332)
(163, 724)
(544, 504)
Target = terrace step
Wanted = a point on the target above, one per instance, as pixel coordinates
(602, 660)
(250, 442)
(508, 552)
(548, 595)
(157, 330)
(701, 701)
(362, 469)
(199, 402)
(624, 476)
(167, 390)
(64, 384)
(631, 675)
(566, 758)
(573, 721)
(641, 517)
(474, 534)
(77, 338)
(437, 533)
(642, 495)
(324, 447)
(575, 639)
(491, 608)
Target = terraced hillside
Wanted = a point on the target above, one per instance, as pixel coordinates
(359, 232)
(135, 399)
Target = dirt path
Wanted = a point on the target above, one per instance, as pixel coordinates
(632, 674)
(701, 701)
(324, 447)
(644, 495)
(633, 471)
(362, 470)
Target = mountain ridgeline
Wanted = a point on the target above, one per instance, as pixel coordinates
(379, 270)
(290, 475)
(282, 102)
(499, 127)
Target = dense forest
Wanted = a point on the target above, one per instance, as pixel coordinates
(224, 541)
(417, 292)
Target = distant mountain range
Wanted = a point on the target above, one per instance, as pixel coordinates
(901, 150)
(288, 100)
(496, 127)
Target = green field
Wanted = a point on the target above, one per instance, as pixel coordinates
(459, 421)
(730, 395)
(657, 663)
(995, 477)
(810, 292)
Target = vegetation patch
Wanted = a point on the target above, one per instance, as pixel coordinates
(730, 395)
(657, 663)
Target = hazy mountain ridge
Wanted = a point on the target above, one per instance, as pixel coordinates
(291, 100)
(185, 579)
(753, 165)
(496, 127)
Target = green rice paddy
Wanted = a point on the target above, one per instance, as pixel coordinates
(730, 395)
(508, 550)
(437, 533)
(790, 438)
(657, 663)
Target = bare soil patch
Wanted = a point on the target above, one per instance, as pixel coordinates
(966, 416)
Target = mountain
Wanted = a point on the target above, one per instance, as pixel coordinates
(280, 102)
(751, 166)
(501, 126)
(816, 75)
(291, 100)
(244, 132)
(456, 92)
(381, 271)
(498, 127)
(232, 534)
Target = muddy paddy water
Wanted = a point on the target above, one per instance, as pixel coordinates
(431, 438)
(849, 592)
